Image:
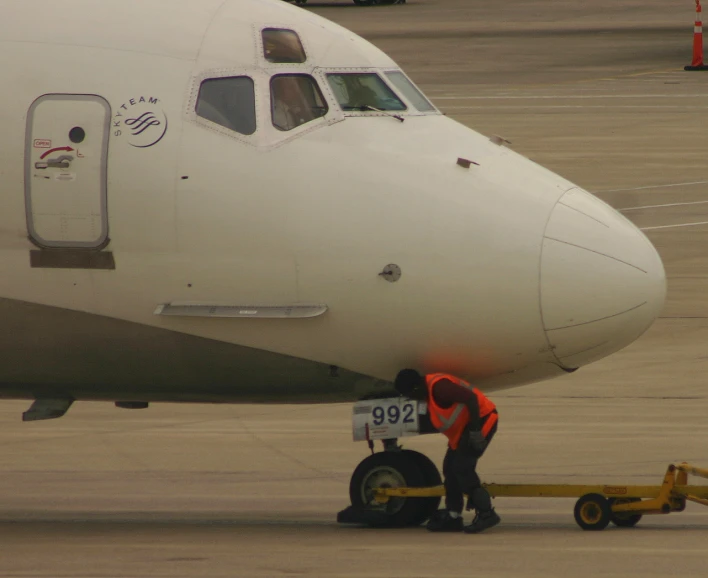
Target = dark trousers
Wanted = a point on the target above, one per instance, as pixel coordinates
(460, 471)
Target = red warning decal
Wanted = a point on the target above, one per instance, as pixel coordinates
(42, 143)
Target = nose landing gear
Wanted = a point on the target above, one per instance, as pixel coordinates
(396, 468)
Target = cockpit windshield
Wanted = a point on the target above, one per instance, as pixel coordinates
(414, 96)
(363, 91)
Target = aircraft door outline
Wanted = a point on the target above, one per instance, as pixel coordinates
(66, 171)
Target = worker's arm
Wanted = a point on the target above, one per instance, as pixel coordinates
(447, 392)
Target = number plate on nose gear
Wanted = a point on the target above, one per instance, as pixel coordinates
(393, 417)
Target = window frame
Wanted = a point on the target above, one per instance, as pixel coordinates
(221, 126)
(321, 74)
(395, 93)
(267, 65)
(306, 125)
(284, 29)
(266, 136)
(256, 75)
(412, 106)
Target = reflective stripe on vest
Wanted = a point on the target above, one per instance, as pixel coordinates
(451, 421)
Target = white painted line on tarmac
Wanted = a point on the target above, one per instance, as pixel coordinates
(661, 206)
(673, 226)
(653, 187)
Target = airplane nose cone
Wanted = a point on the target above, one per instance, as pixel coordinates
(602, 281)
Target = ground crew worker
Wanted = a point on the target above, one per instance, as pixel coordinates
(469, 420)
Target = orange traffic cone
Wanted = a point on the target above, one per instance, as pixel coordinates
(697, 62)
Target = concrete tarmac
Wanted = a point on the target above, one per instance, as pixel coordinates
(594, 91)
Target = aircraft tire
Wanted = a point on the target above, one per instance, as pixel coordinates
(592, 512)
(390, 469)
(432, 478)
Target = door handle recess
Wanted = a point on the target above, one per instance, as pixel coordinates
(62, 162)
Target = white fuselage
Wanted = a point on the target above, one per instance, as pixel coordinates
(509, 273)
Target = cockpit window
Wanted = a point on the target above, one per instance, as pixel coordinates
(295, 100)
(280, 45)
(229, 102)
(414, 96)
(365, 91)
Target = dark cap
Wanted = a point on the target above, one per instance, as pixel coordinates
(407, 381)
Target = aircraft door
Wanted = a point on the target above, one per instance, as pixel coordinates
(66, 156)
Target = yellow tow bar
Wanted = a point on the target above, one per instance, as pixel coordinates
(597, 505)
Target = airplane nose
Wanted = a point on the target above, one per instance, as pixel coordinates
(602, 281)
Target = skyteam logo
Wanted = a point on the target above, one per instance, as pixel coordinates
(141, 120)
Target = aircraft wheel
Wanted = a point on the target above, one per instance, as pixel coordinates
(624, 519)
(366, 2)
(390, 470)
(432, 478)
(592, 512)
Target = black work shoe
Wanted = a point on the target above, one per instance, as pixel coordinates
(442, 521)
(482, 522)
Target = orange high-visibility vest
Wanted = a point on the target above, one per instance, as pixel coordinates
(451, 421)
